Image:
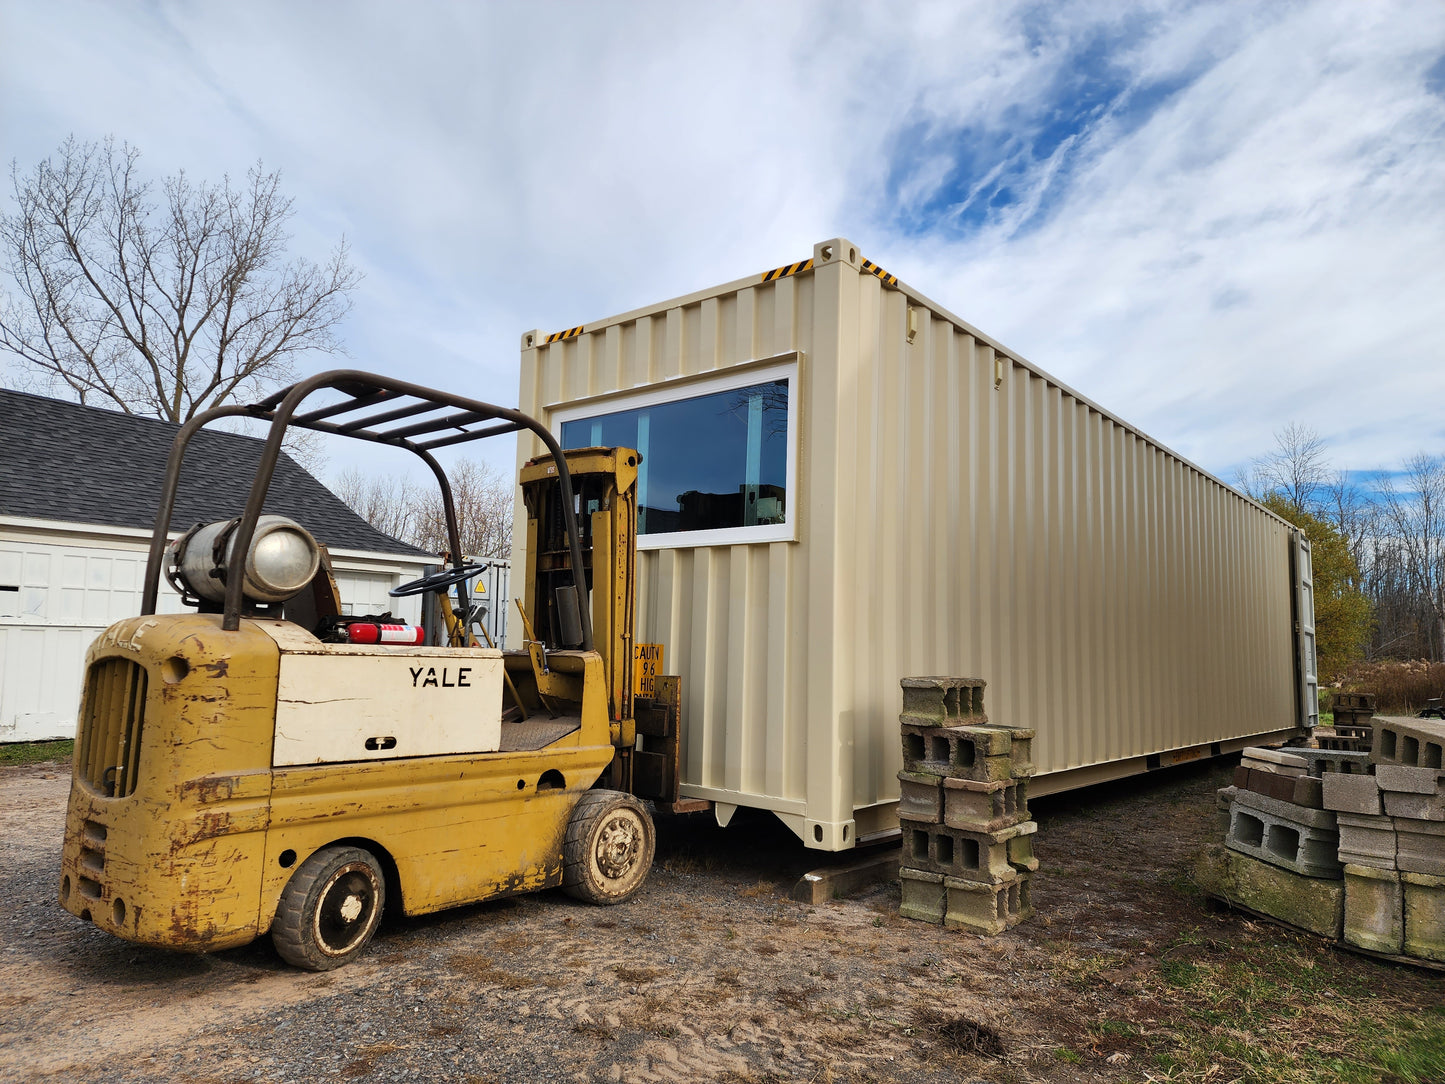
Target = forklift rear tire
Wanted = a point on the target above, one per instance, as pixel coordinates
(609, 847)
(329, 909)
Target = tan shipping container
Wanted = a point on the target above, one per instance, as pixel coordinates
(932, 504)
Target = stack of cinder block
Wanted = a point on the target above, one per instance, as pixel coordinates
(1348, 844)
(1392, 841)
(1281, 846)
(1353, 732)
(963, 809)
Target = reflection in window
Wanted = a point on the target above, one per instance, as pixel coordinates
(709, 462)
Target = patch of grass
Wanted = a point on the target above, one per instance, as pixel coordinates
(729, 976)
(1285, 1009)
(1073, 1057)
(795, 997)
(1114, 1027)
(595, 1030)
(762, 888)
(1180, 973)
(37, 752)
(958, 1034)
(481, 969)
(653, 1015)
(638, 974)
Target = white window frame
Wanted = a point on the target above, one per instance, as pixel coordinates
(693, 387)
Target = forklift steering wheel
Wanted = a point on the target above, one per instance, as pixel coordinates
(439, 580)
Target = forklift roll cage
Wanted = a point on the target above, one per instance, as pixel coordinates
(407, 420)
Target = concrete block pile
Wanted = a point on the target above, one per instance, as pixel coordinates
(1348, 844)
(963, 809)
(1353, 732)
(1392, 841)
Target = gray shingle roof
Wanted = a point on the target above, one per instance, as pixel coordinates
(79, 464)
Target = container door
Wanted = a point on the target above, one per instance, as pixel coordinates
(1304, 625)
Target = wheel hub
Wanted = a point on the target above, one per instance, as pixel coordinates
(617, 847)
(351, 908)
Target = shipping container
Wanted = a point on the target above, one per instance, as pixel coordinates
(844, 484)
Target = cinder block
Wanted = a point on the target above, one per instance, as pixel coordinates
(1310, 903)
(1321, 819)
(1419, 807)
(1374, 909)
(958, 852)
(1366, 840)
(943, 701)
(1352, 702)
(1276, 786)
(1295, 789)
(920, 797)
(1406, 779)
(1342, 744)
(1419, 743)
(1364, 734)
(1424, 915)
(991, 741)
(1021, 854)
(1022, 752)
(1021, 900)
(1352, 717)
(1322, 762)
(959, 752)
(1351, 793)
(1304, 841)
(988, 909)
(1420, 846)
(1273, 760)
(924, 897)
(1223, 798)
(983, 807)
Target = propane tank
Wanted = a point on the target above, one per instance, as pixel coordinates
(282, 560)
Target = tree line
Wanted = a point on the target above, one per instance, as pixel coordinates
(1379, 548)
(412, 512)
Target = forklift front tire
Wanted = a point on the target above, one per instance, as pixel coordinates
(609, 847)
(329, 909)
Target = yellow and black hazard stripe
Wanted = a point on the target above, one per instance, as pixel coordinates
(791, 269)
(560, 336)
(873, 269)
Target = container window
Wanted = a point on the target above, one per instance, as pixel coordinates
(712, 462)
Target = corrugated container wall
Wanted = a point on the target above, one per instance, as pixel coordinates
(953, 511)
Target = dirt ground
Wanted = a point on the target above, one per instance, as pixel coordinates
(711, 973)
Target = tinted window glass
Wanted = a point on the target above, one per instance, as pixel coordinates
(709, 462)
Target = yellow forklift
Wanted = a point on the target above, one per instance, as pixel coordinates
(266, 763)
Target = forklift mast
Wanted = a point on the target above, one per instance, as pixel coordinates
(604, 482)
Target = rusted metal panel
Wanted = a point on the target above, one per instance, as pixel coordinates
(957, 510)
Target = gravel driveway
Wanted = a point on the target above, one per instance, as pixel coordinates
(711, 973)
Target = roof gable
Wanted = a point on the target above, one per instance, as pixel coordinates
(80, 464)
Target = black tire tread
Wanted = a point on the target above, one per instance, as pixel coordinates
(288, 928)
(591, 808)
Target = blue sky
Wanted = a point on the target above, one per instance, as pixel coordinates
(1211, 218)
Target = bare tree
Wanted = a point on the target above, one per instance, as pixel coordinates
(161, 308)
(483, 501)
(413, 512)
(1351, 512)
(1415, 515)
(387, 502)
(1297, 469)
